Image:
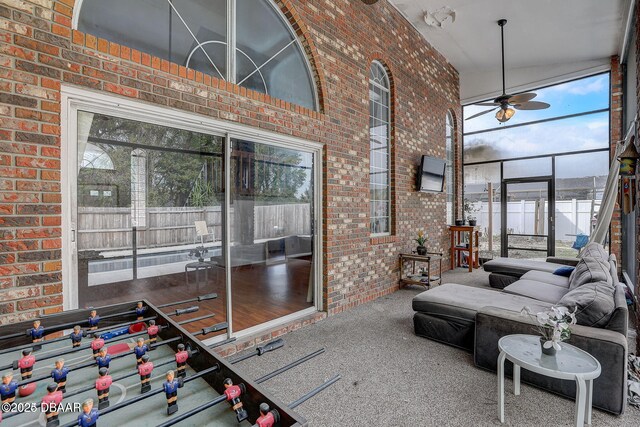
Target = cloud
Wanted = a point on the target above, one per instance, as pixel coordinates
(582, 87)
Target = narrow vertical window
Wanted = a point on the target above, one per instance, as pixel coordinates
(379, 136)
(450, 171)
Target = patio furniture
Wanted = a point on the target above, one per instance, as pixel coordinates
(420, 279)
(458, 234)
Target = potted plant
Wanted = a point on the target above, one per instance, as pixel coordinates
(472, 220)
(554, 327)
(421, 249)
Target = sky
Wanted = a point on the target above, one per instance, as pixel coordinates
(579, 133)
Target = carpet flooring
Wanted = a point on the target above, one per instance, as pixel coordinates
(390, 377)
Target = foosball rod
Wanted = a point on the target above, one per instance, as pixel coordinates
(63, 326)
(93, 362)
(75, 349)
(38, 345)
(195, 319)
(259, 351)
(138, 398)
(196, 299)
(223, 398)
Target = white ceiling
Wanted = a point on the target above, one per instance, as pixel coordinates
(546, 41)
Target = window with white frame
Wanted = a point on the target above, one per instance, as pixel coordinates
(450, 176)
(246, 42)
(379, 138)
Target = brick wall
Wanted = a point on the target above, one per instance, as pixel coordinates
(615, 127)
(39, 52)
(637, 98)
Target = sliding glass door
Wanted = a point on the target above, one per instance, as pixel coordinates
(271, 232)
(164, 213)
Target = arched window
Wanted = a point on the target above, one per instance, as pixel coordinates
(379, 149)
(450, 175)
(262, 54)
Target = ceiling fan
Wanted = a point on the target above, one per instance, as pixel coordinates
(504, 102)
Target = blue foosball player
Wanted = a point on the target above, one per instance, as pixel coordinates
(140, 310)
(89, 415)
(94, 319)
(8, 388)
(37, 332)
(59, 375)
(171, 386)
(140, 350)
(76, 336)
(103, 360)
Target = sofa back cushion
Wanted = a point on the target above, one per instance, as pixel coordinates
(595, 250)
(590, 270)
(594, 302)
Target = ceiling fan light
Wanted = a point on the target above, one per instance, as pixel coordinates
(504, 114)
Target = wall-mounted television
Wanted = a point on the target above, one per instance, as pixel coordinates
(431, 174)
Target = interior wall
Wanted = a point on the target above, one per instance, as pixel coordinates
(41, 52)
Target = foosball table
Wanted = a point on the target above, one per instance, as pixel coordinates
(132, 364)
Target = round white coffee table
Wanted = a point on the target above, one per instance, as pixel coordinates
(570, 363)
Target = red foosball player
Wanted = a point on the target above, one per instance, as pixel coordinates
(233, 393)
(152, 331)
(140, 310)
(267, 418)
(96, 345)
(181, 361)
(50, 403)
(26, 363)
(140, 350)
(76, 336)
(103, 383)
(89, 415)
(8, 388)
(59, 375)
(94, 319)
(37, 332)
(145, 369)
(171, 386)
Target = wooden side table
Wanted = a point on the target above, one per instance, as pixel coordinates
(419, 279)
(456, 233)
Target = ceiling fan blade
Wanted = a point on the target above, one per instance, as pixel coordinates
(532, 105)
(488, 104)
(522, 97)
(481, 113)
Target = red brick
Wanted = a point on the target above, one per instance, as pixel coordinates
(121, 90)
(52, 244)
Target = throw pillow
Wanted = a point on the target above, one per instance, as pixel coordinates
(594, 302)
(589, 270)
(564, 271)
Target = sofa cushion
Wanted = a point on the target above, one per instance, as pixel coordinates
(594, 302)
(536, 290)
(595, 250)
(545, 277)
(589, 270)
(463, 302)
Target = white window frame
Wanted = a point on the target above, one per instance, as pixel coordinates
(450, 139)
(75, 99)
(388, 121)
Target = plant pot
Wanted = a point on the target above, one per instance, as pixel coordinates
(473, 222)
(548, 351)
(421, 250)
(459, 222)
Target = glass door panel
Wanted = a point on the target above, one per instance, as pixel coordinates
(271, 232)
(141, 190)
(526, 218)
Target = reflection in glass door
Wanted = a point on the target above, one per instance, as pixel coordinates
(528, 230)
(271, 232)
(142, 189)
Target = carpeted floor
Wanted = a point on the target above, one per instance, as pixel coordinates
(390, 377)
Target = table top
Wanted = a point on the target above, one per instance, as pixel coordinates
(429, 256)
(568, 363)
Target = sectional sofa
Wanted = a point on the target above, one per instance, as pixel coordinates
(476, 318)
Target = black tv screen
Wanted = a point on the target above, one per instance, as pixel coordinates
(431, 174)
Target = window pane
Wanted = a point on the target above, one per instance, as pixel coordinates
(527, 168)
(561, 136)
(379, 150)
(579, 190)
(264, 38)
(578, 96)
(481, 186)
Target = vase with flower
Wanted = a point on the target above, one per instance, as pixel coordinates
(554, 327)
(421, 249)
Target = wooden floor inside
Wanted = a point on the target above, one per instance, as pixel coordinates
(260, 293)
